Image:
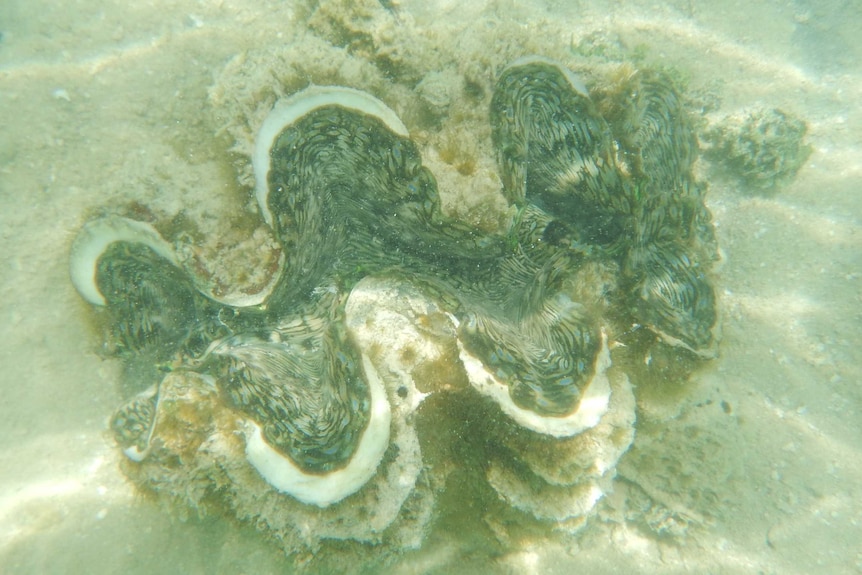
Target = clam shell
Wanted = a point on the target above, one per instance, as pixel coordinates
(303, 416)
(153, 307)
(134, 423)
(325, 489)
(95, 238)
(593, 403)
(289, 110)
(562, 479)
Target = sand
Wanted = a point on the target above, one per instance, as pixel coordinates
(752, 466)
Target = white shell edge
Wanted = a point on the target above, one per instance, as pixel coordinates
(593, 405)
(95, 237)
(133, 452)
(324, 490)
(574, 80)
(288, 110)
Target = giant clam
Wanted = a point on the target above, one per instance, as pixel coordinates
(299, 408)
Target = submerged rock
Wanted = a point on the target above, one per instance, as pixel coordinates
(765, 148)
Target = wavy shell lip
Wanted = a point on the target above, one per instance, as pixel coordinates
(326, 489)
(562, 479)
(574, 80)
(99, 234)
(132, 451)
(593, 405)
(289, 110)
(95, 237)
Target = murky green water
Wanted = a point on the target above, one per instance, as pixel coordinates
(751, 465)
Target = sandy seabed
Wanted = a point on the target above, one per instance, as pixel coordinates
(752, 466)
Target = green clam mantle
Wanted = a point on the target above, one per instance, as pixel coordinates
(382, 299)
